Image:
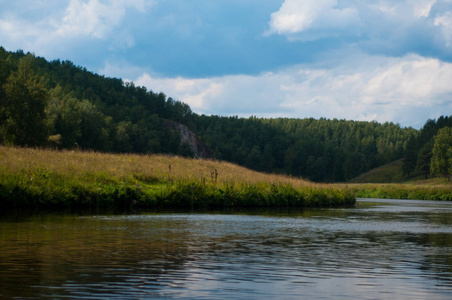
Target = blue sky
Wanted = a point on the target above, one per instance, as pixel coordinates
(361, 60)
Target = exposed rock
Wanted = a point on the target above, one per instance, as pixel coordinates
(187, 136)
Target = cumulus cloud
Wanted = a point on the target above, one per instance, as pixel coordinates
(412, 81)
(408, 90)
(444, 21)
(409, 9)
(96, 18)
(231, 95)
(367, 22)
(45, 27)
(323, 16)
(422, 8)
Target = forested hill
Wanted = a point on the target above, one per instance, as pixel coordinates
(77, 108)
(430, 149)
(321, 150)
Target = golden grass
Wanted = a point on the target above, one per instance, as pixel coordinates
(162, 167)
(39, 178)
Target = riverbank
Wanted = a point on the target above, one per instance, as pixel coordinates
(389, 182)
(433, 189)
(37, 178)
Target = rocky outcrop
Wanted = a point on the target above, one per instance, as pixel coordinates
(187, 136)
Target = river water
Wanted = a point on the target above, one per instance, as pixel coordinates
(381, 249)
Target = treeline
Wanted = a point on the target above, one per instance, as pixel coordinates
(67, 106)
(321, 150)
(429, 151)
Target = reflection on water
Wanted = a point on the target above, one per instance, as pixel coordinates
(379, 250)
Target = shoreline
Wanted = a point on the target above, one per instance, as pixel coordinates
(53, 192)
(57, 180)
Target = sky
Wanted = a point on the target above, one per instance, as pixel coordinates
(373, 60)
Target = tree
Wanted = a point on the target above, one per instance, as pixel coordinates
(442, 153)
(123, 132)
(424, 159)
(68, 123)
(411, 156)
(24, 107)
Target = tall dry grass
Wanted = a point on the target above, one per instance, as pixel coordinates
(161, 167)
(52, 179)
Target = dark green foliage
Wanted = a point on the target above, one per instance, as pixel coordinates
(441, 162)
(23, 104)
(424, 158)
(411, 156)
(321, 150)
(93, 112)
(418, 150)
(186, 151)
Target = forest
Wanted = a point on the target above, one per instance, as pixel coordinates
(61, 105)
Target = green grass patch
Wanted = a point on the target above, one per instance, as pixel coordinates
(403, 191)
(40, 188)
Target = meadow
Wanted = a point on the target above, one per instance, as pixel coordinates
(47, 179)
(388, 181)
(431, 189)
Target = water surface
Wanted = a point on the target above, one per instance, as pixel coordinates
(381, 249)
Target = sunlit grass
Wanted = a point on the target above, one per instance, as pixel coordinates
(118, 166)
(434, 189)
(38, 177)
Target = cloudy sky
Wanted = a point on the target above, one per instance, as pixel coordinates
(383, 60)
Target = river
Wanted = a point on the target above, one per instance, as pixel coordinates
(380, 249)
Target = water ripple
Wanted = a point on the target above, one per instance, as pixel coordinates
(379, 250)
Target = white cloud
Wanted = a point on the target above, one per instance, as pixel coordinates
(408, 90)
(194, 92)
(96, 18)
(220, 95)
(367, 20)
(413, 81)
(422, 8)
(444, 21)
(297, 16)
(413, 9)
(54, 27)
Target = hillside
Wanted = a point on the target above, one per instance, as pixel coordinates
(389, 181)
(388, 173)
(76, 108)
(393, 173)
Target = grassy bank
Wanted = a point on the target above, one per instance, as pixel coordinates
(433, 189)
(389, 182)
(36, 178)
